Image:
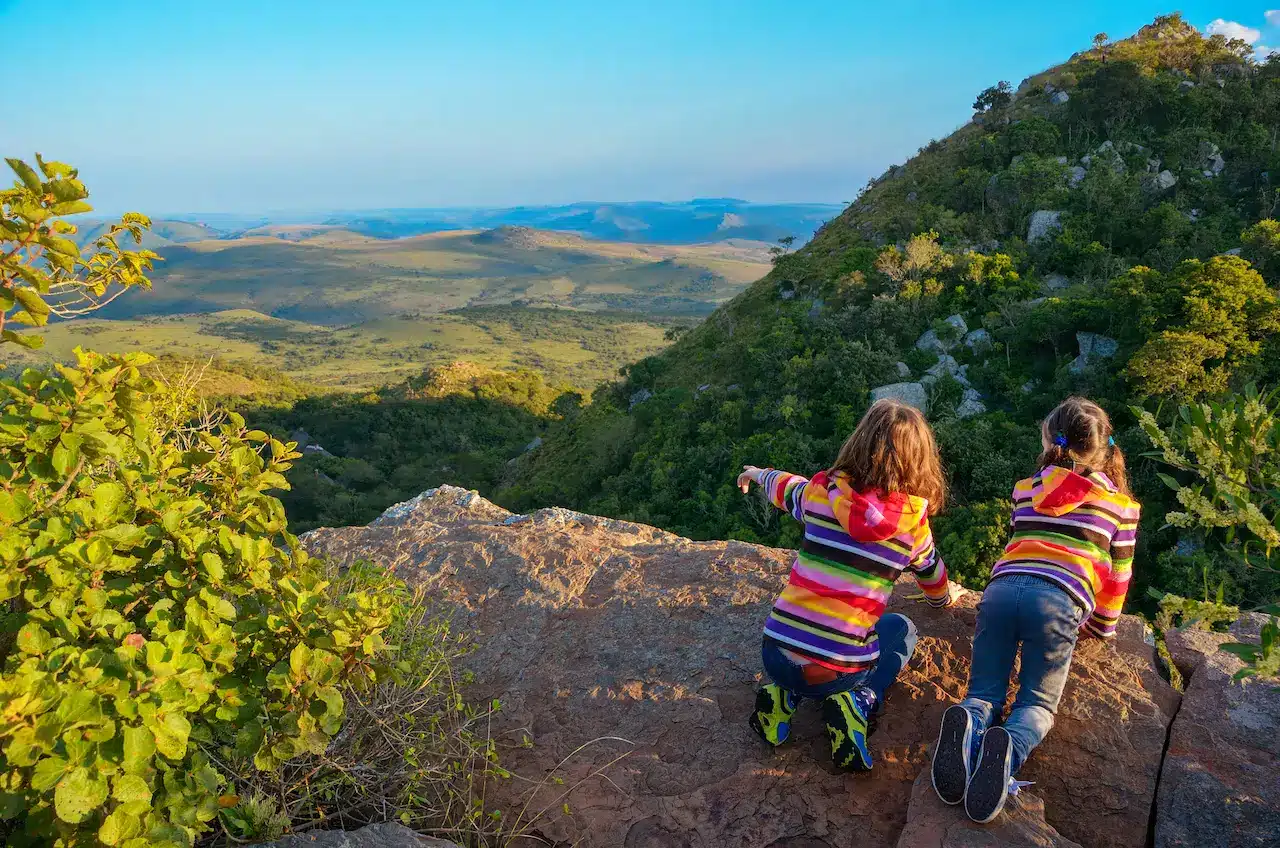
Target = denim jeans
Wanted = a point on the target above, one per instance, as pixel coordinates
(1045, 620)
(897, 643)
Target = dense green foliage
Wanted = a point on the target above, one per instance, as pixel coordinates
(1172, 138)
(165, 642)
(459, 424)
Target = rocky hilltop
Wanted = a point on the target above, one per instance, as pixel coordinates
(629, 657)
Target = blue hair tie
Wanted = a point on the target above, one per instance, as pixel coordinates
(1111, 441)
(1060, 440)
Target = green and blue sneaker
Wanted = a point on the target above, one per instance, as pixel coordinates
(846, 721)
(772, 718)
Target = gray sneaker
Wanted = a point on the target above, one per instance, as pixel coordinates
(989, 786)
(951, 754)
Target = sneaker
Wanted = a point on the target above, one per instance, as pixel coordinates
(772, 717)
(989, 786)
(847, 730)
(951, 756)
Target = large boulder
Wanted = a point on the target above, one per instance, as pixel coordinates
(1092, 347)
(630, 658)
(971, 404)
(1220, 782)
(1044, 224)
(385, 835)
(912, 394)
(933, 824)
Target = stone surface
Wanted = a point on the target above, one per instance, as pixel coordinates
(1076, 175)
(1093, 347)
(904, 370)
(1059, 97)
(909, 393)
(958, 322)
(971, 404)
(1211, 162)
(1044, 224)
(933, 824)
(639, 397)
(1056, 282)
(1164, 181)
(1220, 782)
(385, 835)
(606, 639)
(946, 366)
(977, 340)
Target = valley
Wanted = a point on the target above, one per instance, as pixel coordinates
(336, 309)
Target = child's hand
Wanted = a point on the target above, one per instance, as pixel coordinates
(750, 474)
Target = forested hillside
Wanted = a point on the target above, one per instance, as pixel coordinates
(1104, 229)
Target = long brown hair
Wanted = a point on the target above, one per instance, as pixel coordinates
(893, 450)
(1079, 436)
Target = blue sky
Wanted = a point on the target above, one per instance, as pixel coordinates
(276, 104)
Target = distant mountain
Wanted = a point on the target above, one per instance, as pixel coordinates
(698, 220)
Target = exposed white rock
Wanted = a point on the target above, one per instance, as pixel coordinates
(948, 367)
(787, 294)
(315, 450)
(971, 404)
(929, 341)
(1235, 251)
(1056, 282)
(1076, 175)
(1059, 97)
(913, 394)
(1186, 84)
(904, 370)
(1211, 162)
(534, 445)
(1062, 160)
(977, 340)
(1164, 181)
(1044, 223)
(1093, 345)
(1194, 215)
(1029, 387)
(639, 397)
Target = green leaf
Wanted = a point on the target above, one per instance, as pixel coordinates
(32, 639)
(171, 732)
(27, 340)
(139, 747)
(27, 174)
(1169, 481)
(79, 793)
(107, 498)
(129, 788)
(118, 827)
(32, 302)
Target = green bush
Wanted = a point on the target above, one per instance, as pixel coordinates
(165, 620)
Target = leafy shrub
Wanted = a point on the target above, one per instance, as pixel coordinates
(165, 619)
(411, 746)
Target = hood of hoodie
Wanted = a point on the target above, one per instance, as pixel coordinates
(1061, 490)
(870, 516)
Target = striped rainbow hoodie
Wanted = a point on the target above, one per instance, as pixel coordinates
(1077, 531)
(856, 544)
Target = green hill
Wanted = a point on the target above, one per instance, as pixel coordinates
(328, 275)
(1076, 222)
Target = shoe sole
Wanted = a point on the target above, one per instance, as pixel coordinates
(857, 759)
(989, 787)
(764, 704)
(951, 755)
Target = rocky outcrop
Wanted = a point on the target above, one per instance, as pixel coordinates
(1044, 224)
(912, 394)
(1092, 348)
(1220, 782)
(630, 656)
(931, 341)
(933, 824)
(386, 835)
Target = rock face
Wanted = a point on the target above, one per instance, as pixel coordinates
(913, 394)
(971, 404)
(1092, 346)
(1220, 783)
(933, 824)
(1043, 224)
(386, 835)
(638, 397)
(606, 639)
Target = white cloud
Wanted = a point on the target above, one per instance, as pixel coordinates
(1262, 52)
(1231, 30)
(1273, 17)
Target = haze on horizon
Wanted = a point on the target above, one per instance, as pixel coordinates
(251, 107)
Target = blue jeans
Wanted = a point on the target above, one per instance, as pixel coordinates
(897, 643)
(1033, 611)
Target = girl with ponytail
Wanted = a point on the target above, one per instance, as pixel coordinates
(1064, 573)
